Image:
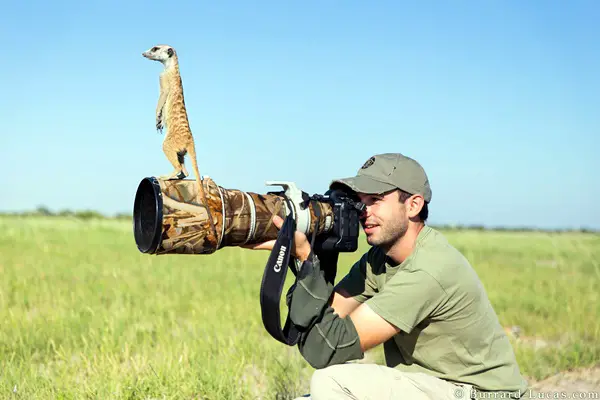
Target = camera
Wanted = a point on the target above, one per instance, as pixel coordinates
(168, 218)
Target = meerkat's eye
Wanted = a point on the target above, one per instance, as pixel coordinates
(155, 49)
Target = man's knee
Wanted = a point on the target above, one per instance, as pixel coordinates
(326, 381)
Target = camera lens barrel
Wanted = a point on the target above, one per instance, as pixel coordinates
(168, 218)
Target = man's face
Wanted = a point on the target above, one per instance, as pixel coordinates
(385, 219)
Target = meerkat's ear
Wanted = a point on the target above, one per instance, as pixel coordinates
(170, 52)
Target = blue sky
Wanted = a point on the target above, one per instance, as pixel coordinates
(498, 100)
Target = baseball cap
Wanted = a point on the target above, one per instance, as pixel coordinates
(384, 172)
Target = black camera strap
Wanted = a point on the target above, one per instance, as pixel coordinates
(275, 273)
(273, 281)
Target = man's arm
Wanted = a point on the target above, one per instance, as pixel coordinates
(372, 330)
(334, 339)
(328, 339)
(337, 327)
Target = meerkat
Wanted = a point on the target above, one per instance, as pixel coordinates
(172, 114)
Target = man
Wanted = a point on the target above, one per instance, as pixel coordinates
(412, 292)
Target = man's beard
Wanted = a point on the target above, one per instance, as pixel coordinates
(389, 234)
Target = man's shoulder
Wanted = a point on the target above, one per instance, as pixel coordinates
(435, 255)
(433, 244)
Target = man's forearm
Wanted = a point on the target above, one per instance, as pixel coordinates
(332, 340)
(327, 338)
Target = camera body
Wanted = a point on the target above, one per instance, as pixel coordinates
(343, 236)
(341, 233)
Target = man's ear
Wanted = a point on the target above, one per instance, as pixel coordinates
(415, 205)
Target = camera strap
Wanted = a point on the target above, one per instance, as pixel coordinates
(273, 281)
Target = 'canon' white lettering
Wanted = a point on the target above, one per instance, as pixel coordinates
(279, 262)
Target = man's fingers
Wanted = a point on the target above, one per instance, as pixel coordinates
(268, 245)
(278, 221)
(260, 246)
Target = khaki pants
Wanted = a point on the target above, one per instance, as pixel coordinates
(378, 382)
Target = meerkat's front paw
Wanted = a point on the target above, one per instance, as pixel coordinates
(159, 121)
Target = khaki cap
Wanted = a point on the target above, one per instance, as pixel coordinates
(384, 172)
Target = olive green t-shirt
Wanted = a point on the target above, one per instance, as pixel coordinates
(449, 328)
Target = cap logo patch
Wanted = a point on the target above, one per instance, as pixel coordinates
(369, 162)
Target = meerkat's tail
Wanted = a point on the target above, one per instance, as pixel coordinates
(201, 194)
(192, 153)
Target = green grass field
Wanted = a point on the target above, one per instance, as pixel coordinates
(85, 315)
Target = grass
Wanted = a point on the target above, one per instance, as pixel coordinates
(85, 315)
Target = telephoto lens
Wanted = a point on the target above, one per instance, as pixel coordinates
(169, 219)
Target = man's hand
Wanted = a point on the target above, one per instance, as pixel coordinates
(301, 249)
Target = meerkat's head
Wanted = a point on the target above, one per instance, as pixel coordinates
(163, 53)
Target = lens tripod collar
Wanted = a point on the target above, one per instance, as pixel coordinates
(295, 196)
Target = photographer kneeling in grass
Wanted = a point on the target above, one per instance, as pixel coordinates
(411, 291)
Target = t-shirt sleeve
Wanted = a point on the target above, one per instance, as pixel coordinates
(358, 282)
(408, 298)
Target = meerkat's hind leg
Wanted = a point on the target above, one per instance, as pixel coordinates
(175, 175)
(181, 158)
(175, 158)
